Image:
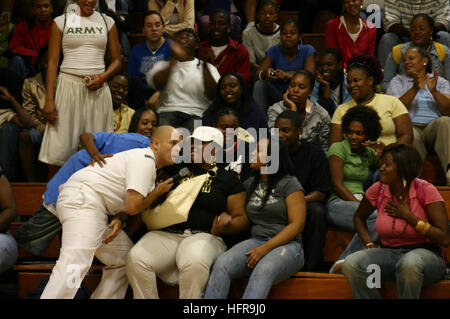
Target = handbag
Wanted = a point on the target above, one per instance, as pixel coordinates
(175, 209)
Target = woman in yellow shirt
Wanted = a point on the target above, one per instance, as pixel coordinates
(363, 75)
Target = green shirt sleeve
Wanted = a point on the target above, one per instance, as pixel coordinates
(338, 150)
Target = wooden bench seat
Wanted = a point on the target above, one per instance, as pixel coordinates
(302, 285)
(28, 198)
(29, 276)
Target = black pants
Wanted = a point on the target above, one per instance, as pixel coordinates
(314, 235)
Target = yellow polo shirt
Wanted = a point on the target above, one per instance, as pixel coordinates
(388, 108)
(122, 118)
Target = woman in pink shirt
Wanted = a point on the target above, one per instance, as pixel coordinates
(351, 34)
(412, 224)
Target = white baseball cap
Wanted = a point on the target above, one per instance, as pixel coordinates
(208, 134)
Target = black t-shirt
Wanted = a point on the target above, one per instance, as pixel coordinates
(11, 81)
(212, 199)
(311, 168)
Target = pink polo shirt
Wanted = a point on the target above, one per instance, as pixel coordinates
(384, 221)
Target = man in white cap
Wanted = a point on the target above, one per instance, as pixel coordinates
(126, 184)
(183, 253)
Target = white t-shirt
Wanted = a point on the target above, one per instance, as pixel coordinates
(134, 169)
(353, 36)
(84, 42)
(218, 50)
(335, 93)
(184, 91)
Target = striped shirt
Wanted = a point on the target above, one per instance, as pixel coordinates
(402, 11)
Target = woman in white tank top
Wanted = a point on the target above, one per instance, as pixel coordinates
(82, 101)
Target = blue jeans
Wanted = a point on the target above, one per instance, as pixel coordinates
(266, 94)
(21, 68)
(8, 252)
(340, 216)
(37, 234)
(412, 269)
(9, 151)
(277, 265)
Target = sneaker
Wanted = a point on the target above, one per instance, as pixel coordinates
(337, 267)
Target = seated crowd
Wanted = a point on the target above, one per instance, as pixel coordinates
(226, 118)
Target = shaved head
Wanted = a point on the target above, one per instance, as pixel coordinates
(162, 133)
(164, 138)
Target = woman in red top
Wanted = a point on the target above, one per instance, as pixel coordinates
(412, 224)
(349, 33)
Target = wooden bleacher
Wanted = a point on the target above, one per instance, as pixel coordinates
(302, 285)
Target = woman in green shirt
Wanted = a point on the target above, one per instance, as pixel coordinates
(350, 161)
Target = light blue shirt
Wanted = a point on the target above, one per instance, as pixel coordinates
(345, 95)
(391, 69)
(423, 108)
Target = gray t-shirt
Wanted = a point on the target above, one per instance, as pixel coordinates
(258, 42)
(273, 218)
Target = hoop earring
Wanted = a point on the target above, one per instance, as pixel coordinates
(213, 160)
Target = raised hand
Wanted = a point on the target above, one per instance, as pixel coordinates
(378, 146)
(178, 51)
(432, 83)
(419, 81)
(289, 103)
